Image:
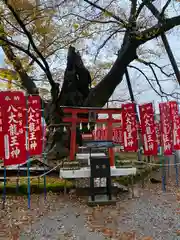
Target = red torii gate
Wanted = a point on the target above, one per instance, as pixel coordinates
(74, 119)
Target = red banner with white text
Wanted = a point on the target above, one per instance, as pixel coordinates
(148, 129)
(117, 135)
(178, 131)
(174, 116)
(101, 134)
(14, 121)
(1, 133)
(35, 131)
(166, 130)
(158, 133)
(129, 127)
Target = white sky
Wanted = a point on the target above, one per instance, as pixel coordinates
(139, 84)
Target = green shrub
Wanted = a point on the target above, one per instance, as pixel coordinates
(36, 186)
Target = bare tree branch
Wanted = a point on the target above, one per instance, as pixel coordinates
(108, 12)
(162, 20)
(157, 30)
(29, 36)
(34, 58)
(93, 20)
(156, 65)
(164, 8)
(141, 6)
(151, 85)
(161, 93)
(131, 27)
(105, 41)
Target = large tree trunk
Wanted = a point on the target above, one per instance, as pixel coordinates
(97, 97)
(76, 92)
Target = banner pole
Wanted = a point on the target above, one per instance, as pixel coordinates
(139, 152)
(17, 181)
(43, 149)
(163, 162)
(27, 158)
(168, 165)
(176, 169)
(4, 190)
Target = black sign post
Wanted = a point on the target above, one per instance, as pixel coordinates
(100, 168)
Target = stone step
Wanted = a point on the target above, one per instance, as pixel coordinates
(70, 165)
(93, 150)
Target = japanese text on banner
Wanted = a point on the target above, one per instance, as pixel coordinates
(158, 133)
(148, 129)
(1, 135)
(35, 134)
(129, 126)
(14, 127)
(166, 128)
(117, 135)
(101, 134)
(174, 116)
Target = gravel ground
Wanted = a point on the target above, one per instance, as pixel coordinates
(153, 216)
(150, 213)
(66, 223)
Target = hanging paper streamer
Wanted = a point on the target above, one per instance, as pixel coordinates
(166, 131)
(148, 129)
(13, 128)
(129, 126)
(34, 126)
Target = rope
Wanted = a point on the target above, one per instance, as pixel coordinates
(156, 164)
(39, 176)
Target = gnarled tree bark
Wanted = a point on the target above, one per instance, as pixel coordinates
(75, 90)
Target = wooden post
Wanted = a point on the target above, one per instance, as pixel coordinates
(111, 151)
(73, 135)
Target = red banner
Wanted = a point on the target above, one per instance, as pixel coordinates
(158, 133)
(117, 135)
(1, 135)
(98, 134)
(178, 131)
(35, 133)
(101, 134)
(148, 129)
(174, 116)
(129, 127)
(166, 128)
(14, 120)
